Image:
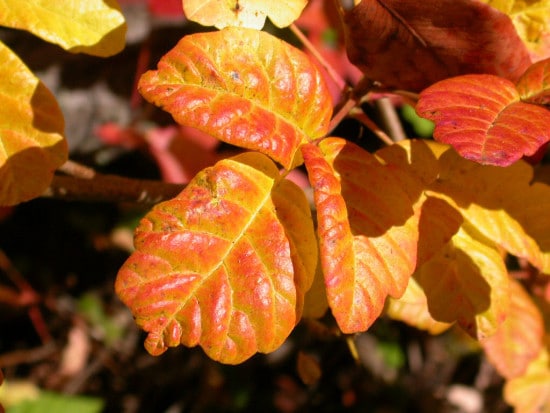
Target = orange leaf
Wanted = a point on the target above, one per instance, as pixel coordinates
(32, 145)
(243, 13)
(482, 117)
(367, 231)
(467, 282)
(217, 266)
(410, 44)
(519, 340)
(530, 393)
(244, 87)
(534, 84)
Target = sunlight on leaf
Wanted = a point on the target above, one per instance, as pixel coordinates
(467, 282)
(243, 13)
(482, 117)
(218, 267)
(519, 339)
(530, 17)
(367, 231)
(411, 44)
(95, 27)
(531, 392)
(243, 87)
(32, 145)
(534, 84)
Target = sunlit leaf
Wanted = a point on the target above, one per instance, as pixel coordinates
(32, 145)
(519, 339)
(482, 117)
(367, 231)
(467, 282)
(96, 27)
(244, 87)
(534, 85)
(530, 17)
(412, 308)
(502, 203)
(530, 393)
(410, 44)
(243, 13)
(217, 266)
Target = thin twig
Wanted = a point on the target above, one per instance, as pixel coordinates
(111, 188)
(390, 120)
(369, 123)
(77, 170)
(342, 113)
(340, 82)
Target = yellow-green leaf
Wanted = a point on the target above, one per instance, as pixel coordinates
(219, 265)
(244, 87)
(519, 340)
(243, 13)
(95, 27)
(467, 282)
(32, 145)
(368, 230)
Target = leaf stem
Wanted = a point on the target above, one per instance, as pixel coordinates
(369, 123)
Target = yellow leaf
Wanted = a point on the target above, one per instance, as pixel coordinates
(530, 17)
(95, 27)
(467, 282)
(243, 13)
(32, 145)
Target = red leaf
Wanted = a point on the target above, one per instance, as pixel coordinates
(411, 44)
(534, 84)
(482, 117)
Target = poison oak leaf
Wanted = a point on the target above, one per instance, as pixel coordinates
(32, 145)
(534, 84)
(519, 340)
(530, 392)
(483, 118)
(95, 27)
(467, 282)
(412, 308)
(367, 231)
(221, 265)
(244, 87)
(243, 13)
(531, 20)
(410, 44)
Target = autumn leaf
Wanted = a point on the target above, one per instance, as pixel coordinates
(225, 264)
(519, 340)
(530, 392)
(95, 27)
(534, 84)
(410, 44)
(367, 231)
(482, 117)
(243, 87)
(530, 19)
(467, 282)
(32, 145)
(243, 13)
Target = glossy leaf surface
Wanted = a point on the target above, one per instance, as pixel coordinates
(531, 392)
(367, 231)
(410, 44)
(32, 145)
(244, 87)
(243, 13)
(221, 265)
(95, 27)
(519, 340)
(467, 282)
(482, 117)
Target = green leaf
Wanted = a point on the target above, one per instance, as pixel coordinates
(94, 27)
(32, 145)
(58, 403)
(220, 265)
(244, 87)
